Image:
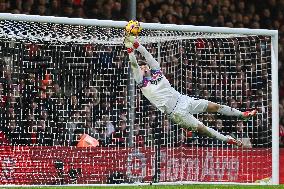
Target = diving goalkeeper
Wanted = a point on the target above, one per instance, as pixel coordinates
(157, 89)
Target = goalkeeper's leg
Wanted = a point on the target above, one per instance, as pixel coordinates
(228, 111)
(202, 129)
(202, 105)
(188, 121)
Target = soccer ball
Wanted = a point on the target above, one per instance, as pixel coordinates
(133, 28)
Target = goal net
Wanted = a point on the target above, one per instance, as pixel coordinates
(61, 78)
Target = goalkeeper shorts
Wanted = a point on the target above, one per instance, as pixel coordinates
(185, 107)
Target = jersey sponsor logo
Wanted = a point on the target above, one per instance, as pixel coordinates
(156, 77)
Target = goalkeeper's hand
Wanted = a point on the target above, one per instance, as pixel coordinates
(128, 41)
(131, 43)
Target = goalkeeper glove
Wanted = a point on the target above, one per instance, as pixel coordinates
(130, 42)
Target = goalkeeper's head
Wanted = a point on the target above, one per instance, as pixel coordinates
(146, 71)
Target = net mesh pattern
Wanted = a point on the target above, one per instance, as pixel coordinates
(59, 81)
(63, 33)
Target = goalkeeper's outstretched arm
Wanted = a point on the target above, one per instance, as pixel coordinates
(153, 64)
(135, 68)
(130, 42)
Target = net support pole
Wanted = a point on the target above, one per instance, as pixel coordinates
(181, 65)
(131, 86)
(158, 136)
(132, 9)
(275, 111)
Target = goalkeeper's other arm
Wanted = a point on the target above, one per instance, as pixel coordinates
(153, 64)
(131, 42)
(135, 68)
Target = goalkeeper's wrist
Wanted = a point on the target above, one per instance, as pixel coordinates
(130, 50)
(136, 44)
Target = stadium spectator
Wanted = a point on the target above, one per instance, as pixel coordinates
(26, 7)
(13, 132)
(56, 91)
(4, 139)
(219, 126)
(90, 97)
(172, 135)
(43, 136)
(4, 6)
(76, 137)
(72, 125)
(229, 13)
(78, 12)
(3, 97)
(54, 7)
(67, 11)
(138, 136)
(106, 129)
(119, 136)
(281, 133)
(243, 135)
(73, 104)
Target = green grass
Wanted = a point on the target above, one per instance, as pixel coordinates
(193, 186)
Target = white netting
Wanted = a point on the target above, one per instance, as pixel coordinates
(59, 80)
(50, 32)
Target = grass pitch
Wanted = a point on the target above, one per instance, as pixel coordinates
(193, 186)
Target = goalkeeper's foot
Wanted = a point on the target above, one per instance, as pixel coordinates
(234, 141)
(248, 114)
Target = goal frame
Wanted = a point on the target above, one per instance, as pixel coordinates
(187, 28)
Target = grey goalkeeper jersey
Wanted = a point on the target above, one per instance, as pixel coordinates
(156, 88)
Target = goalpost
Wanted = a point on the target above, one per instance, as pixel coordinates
(62, 77)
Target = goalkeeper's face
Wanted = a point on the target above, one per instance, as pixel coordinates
(145, 70)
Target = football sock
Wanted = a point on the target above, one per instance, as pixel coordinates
(215, 134)
(228, 111)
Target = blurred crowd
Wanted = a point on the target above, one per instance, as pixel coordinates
(269, 14)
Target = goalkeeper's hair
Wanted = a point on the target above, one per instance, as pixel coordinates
(142, 63)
